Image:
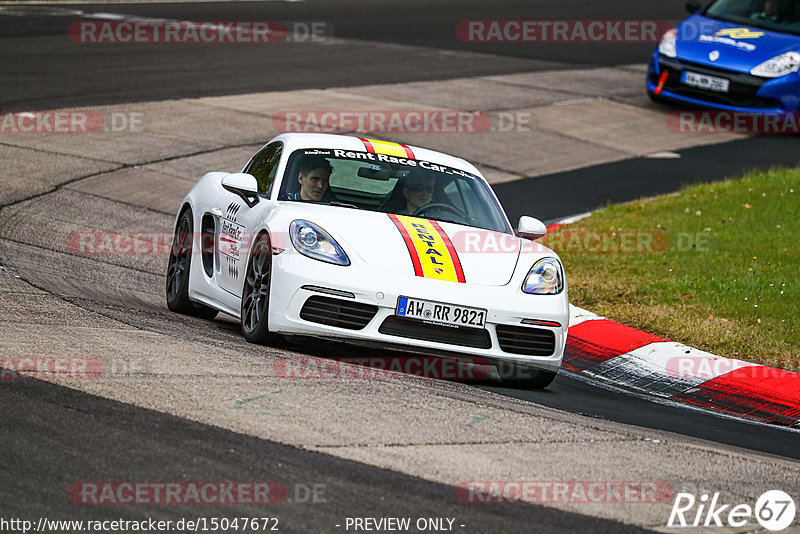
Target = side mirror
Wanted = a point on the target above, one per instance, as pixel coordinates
(530, 228)
(693, 6)
(244, 185)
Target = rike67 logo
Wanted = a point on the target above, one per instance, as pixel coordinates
(774, 510)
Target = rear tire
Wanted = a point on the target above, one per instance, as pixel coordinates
(178, 270)
(255, 294)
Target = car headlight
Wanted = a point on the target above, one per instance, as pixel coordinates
(312, 241)
(544, 278)
(778, 66)
(667, 44)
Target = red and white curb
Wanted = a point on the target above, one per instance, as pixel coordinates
(623, 356)
(627, 357)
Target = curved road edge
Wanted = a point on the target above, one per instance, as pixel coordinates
(612, 352)
(609, 351)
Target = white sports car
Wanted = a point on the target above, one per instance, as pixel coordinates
(372, 242)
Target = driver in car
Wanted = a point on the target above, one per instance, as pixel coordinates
(416, 191)
(313, 174)
(770, 13)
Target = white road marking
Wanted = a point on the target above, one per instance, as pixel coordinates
(662, 155)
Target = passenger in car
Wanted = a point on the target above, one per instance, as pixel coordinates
(411, 193)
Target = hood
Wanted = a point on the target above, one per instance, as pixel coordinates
(485, 257)
(740, 47)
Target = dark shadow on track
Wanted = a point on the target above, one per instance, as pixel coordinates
(119, 442)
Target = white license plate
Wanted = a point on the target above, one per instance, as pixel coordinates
(704, 81)
(440, 313)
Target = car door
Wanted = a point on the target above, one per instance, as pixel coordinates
(236, 221)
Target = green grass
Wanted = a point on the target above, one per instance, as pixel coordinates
(723, 274)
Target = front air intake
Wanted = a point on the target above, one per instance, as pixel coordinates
(528, 341)
(337, 312)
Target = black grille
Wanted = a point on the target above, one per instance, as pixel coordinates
(522, 340)
(416, 329)
(742, 89)
(337, 312)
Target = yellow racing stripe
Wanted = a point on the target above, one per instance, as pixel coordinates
(387, 148)
(432, 253)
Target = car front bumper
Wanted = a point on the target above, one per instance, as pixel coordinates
(748, 94)
(297, 278)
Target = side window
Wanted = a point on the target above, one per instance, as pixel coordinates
(264, 166)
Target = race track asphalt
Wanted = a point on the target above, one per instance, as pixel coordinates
(54, 436)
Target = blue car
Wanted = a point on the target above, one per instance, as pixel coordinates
(735, 55)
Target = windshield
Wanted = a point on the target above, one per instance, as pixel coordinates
(389, 184)
(776, 15)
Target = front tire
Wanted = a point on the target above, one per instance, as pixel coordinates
(255, 294)
(178, 269)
